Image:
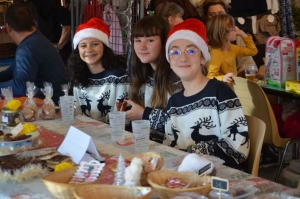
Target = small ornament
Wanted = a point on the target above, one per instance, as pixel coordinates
(119, 175)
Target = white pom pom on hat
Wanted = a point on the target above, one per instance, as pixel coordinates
(192, 30)
(94, 28)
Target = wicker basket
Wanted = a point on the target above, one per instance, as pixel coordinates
(144, 174)
(111, 192)
(157, 178)
(58, 186)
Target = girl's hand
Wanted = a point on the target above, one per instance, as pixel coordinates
(228, 77)
(240, 33)
(136, 111)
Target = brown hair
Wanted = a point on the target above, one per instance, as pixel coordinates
(163, 75)
(217, 29)
(167, 9)
(204, 6)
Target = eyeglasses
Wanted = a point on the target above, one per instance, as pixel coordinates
(189, 52)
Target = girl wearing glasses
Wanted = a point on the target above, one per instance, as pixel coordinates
(151, 79)
(206, 117)
(220, 32)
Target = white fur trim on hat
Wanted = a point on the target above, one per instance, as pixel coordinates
(90, 33)
(192, 37)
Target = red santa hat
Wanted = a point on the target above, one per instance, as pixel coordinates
(94, 28)
(192, 30)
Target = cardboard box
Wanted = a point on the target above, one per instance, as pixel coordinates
(293, 86)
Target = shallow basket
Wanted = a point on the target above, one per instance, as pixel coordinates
(111, 192)
(157, 178)
(147, 155)
(58, 186)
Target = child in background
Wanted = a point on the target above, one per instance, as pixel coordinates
(171, 12)
(220, 32)
(97, 74)
(206, 117)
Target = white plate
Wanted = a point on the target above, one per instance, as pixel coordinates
(33, 134)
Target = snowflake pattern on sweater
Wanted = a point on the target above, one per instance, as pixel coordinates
(210, 122)
(100, 97)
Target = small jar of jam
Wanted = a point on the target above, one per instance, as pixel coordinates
(11, 117)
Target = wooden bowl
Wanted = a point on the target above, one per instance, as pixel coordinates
(58, 186)
(111, 192)
(157, 178)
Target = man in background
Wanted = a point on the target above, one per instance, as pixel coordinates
(54, 21)
(36, 59)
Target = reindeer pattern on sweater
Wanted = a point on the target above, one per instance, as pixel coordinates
(210, 122)
(100, 97)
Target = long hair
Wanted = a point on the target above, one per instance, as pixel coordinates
(167, 9)
(163, 75)
(217, 29)
(205, 4)
(79, 73)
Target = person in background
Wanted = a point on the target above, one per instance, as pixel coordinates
(36, 59)
(54, 22)
(96, 73)
(221, 31)
(211, 8)
(152, 82)
(170, 11)
(206, 117)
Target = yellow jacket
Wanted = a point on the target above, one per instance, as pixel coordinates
(223, 61)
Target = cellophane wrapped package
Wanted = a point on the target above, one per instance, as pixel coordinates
(48, 107)
(30, 109)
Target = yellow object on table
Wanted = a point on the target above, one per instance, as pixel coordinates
(27, 128)
(13, 104)
(62, 166)
(293, 86)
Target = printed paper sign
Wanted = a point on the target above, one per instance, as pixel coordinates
(76, 145)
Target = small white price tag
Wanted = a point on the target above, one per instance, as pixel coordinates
(15, 131)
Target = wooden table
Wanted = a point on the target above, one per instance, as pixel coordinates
(53, 130)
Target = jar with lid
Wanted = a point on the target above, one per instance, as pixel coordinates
(11, 117)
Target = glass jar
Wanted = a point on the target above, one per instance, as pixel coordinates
(11, 117)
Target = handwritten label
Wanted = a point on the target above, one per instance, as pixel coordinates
(219, 184)
(76, 144)
(203, 169)
(15, 131)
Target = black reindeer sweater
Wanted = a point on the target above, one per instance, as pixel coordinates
(100, 97)
(210, 122)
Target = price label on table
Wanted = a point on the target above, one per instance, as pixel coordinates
(219, 184)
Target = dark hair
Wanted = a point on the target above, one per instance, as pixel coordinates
(167, 9)
(217, 29)
(204, 6)
(79, 73)
(19, 17)
(163, 76)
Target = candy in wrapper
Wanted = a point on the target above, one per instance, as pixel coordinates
(30, 109)
(8, 95)
(48, 107)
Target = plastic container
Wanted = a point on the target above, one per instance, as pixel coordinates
(291, 177)
(11, 118)
(291, 194)
(295, 165)
(189, 195)
(238, 190)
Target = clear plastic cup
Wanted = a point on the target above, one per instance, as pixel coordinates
(66, 104)
(141, 133)
(117, 125)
